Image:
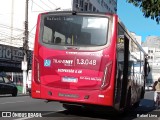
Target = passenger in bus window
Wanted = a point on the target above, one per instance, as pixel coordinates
(58, 40)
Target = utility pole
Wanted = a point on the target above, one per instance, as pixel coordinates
(12, 14)
(25, 48)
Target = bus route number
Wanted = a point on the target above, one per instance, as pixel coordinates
(86, 62)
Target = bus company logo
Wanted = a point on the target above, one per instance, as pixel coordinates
(65, 62)
(47, 63)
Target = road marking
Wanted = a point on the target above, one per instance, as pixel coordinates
(11, 102)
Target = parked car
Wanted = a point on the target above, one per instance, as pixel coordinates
(7, 86)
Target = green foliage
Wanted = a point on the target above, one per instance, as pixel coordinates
(150, 8)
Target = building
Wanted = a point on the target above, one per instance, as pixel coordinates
(152, 46)
(96, 5)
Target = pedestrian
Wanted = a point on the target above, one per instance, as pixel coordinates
(156, 88)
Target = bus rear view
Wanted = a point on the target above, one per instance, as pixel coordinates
(74, 58)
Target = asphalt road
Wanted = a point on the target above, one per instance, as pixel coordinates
(21, 106)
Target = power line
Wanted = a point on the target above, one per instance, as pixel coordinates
(3, 40)
(45, 4)
(37, 5)
(33, 28)
(52, 3)
(8, 27)
(6, 34)
(14, 44)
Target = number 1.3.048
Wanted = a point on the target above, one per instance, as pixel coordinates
(85, 62)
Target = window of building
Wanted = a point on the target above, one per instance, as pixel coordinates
(94, 9)
(109, 9)
(86, 7)
(81, 3)
(76, 1)
(90, 7)
(115, 9)
(77, 4)
(107, 6)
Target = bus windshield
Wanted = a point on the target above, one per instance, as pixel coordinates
(74, 30)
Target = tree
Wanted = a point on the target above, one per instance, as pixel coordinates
(150, 8)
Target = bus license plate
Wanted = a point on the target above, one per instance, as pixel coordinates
(69, 79)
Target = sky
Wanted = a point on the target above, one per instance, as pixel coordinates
(135, 22)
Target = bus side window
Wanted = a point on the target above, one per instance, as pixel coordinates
(47, 36)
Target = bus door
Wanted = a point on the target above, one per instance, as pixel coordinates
(125, 81)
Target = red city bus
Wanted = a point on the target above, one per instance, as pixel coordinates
(87, 59)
